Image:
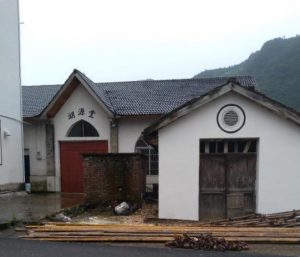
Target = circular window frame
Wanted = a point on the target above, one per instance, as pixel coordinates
(221, 126)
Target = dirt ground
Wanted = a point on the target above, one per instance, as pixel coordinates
(94, 216)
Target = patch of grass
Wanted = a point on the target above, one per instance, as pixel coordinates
(14, 221)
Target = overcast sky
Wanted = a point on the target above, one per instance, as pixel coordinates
(118, 40)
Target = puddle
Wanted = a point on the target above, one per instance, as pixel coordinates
(32, 207)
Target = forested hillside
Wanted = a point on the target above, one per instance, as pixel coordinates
(276, 68)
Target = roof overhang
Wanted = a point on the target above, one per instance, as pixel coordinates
(247, 92)
(73, 81)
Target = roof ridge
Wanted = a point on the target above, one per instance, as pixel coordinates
(42, 85)
(152, 80)
(185, 79)
(91, 84)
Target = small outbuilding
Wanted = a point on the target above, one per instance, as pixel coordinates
(229, 152)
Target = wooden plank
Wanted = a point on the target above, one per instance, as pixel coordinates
(159, 234)
(158, 228)
(150, 233)
(104, 239)
(164, 239)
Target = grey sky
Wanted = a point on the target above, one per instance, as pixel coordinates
(135, 39)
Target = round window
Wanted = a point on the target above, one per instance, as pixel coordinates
(231, 118)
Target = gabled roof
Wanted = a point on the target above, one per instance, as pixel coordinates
(232, 86)
(131, 98)
(74, 80)
(36, 98)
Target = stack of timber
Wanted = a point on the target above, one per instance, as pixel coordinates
(283, 219)
(151, 233)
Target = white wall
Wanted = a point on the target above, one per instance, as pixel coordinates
(129, 132)
(10, 96)
(35, 142)
(11, 169)
(80, 98)
(278, 168)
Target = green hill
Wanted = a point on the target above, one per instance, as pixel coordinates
(276, 68)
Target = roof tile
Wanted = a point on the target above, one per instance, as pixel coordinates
(147, 97)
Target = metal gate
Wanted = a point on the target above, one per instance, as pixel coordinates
(227, 183)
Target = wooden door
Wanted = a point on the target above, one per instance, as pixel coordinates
(241, 173)
(227, 185)
(212, 187)
(71, 163)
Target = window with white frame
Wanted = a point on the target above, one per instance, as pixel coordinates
(151, 156)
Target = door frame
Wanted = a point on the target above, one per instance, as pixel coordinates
(256, 195)
(27, 172)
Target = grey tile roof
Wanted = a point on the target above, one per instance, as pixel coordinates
(160, 96)
(100, 92)
(36, 98)
(147, 97)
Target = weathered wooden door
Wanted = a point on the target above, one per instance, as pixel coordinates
(241, 174)
(227, 185)
(212, 186)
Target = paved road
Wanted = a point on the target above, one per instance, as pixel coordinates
(13, 247)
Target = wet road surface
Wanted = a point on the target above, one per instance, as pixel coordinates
(22, 248)
(32, 207)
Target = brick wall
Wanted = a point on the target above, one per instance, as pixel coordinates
(114, 177)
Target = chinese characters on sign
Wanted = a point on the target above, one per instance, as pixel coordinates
(92, 113)
(81, 112)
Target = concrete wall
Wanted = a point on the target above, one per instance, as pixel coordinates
(11, 153)
(79, 99)
(278, 167)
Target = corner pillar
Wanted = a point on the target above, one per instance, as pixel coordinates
(114, 136)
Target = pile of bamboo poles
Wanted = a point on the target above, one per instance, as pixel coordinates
(152, 233)
(283, 219)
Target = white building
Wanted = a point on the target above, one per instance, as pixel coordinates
(223, 147)
(11, 143)
(229, 152)
(114, 114)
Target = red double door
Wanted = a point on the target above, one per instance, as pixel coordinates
(71, 163)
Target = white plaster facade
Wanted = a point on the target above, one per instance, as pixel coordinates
(278, 165)
(80, 98)
(11, 144)
(35, 147)
(129, 131)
